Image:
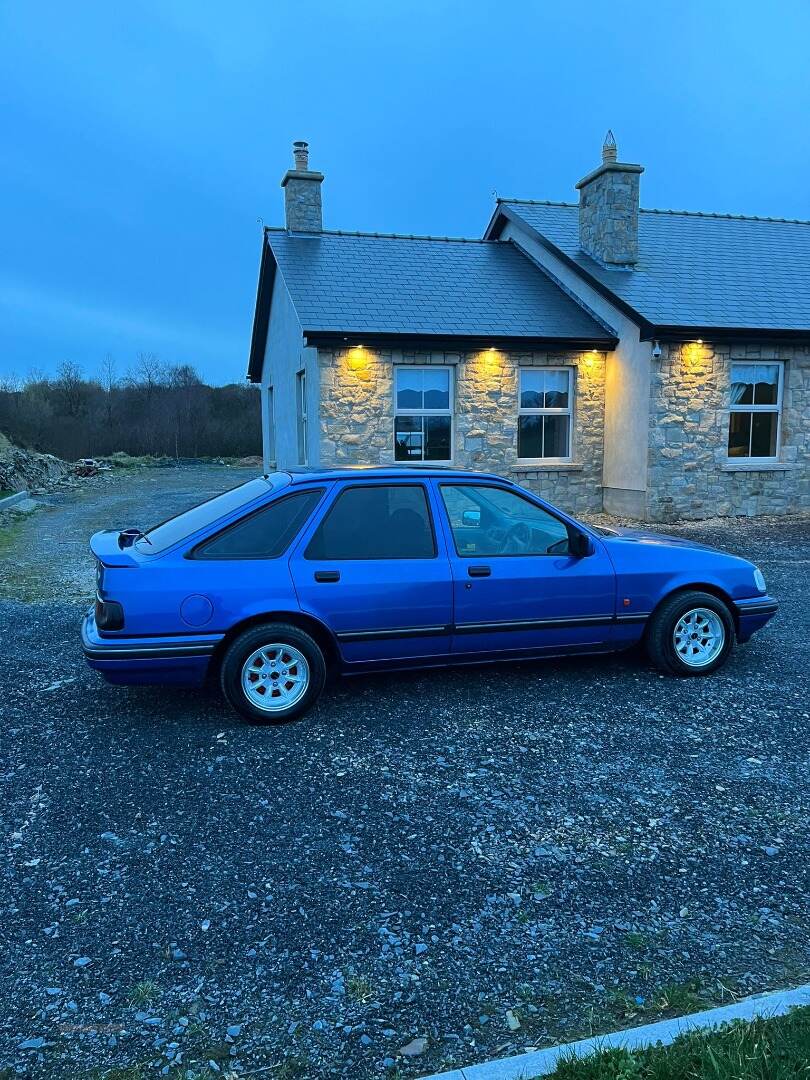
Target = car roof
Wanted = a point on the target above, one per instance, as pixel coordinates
(303, 473)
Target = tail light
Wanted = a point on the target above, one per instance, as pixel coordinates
(109, 615)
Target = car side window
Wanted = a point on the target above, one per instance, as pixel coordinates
(265, 534)
(377, 521)
(491, 521)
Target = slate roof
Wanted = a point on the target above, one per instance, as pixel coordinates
(361, 283)
(696, 270)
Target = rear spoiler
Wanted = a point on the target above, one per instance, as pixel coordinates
(107, 549)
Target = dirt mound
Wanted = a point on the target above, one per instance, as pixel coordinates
(24, 469)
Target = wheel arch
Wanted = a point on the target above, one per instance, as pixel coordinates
(698, 586)
(319, 632)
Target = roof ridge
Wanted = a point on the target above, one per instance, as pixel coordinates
(539, 202)
(671, 213)
(731, 217)
(383, 235)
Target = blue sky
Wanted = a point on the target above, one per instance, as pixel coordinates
(140, 143)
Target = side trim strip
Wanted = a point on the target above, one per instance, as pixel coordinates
(535, 624)
(144, 652)
(404, 632)
(494, 627)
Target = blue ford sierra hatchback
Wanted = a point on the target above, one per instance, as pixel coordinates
(274, 583)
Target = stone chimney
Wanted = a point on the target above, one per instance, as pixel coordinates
(302, 193)
(608, 209)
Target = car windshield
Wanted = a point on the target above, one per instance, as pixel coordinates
(162, 536)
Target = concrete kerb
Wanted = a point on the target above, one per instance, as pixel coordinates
(543, 1062)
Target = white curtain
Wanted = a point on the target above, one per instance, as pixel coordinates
(745, 375)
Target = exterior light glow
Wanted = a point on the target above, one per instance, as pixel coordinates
(358, 358)
(700, 341)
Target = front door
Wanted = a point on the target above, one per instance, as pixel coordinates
(373, 567)
(516, 586)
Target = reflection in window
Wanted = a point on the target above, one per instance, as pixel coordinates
(544, 413)
(423, 420)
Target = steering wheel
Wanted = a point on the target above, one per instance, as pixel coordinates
(517, 540)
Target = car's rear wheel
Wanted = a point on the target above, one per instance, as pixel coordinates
(272, 673)
(691, 633)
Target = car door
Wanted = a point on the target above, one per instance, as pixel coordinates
(517, 585)
(373, 567)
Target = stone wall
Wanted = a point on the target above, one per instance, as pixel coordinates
(357, 415)
(689, 475)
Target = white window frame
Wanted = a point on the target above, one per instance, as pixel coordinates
(777, 408)
(301, 416)
(450, 411)
(569, 412)
(271, 424)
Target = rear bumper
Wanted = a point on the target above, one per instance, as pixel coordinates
(753, 614)
(179, 660)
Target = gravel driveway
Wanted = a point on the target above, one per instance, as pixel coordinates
(485, 859)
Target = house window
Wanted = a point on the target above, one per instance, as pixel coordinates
(423, 413)
(301, 415)
(755, 410)
(545, 396)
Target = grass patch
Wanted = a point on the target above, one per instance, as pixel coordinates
(774, 1049)
(144, 993)
(359, 988)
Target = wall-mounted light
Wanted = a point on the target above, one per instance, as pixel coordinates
(656, 349)
(357, 358)
(700, 341)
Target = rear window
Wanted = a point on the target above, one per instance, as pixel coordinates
(376, 522)
(264, 534)
(162, 536)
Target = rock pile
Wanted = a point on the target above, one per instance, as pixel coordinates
(24, 469)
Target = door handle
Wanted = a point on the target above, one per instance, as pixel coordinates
(479, 571)
(327, 575)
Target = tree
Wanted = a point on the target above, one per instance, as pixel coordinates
(108, 382)
(70, 385)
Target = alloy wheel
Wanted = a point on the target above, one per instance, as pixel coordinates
(699, 637)
(275, 677)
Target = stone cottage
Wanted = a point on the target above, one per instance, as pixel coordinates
(651, 363)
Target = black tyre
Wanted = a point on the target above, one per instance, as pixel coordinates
(691, 633)
(272, 673)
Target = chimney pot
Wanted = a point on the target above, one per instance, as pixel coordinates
(301, 156)
(610, 151)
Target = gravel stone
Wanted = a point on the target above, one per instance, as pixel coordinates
(538, 828)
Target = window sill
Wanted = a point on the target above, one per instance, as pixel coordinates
(758, 466)
(547, 466)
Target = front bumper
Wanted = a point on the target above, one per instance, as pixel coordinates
(181, 660)
(753, 613)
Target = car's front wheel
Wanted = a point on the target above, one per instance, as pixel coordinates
(272, 673)
(691, 633)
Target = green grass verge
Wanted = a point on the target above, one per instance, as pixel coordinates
(774, 1049)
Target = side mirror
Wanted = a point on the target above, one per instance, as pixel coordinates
(579, 544)
(471, 519)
